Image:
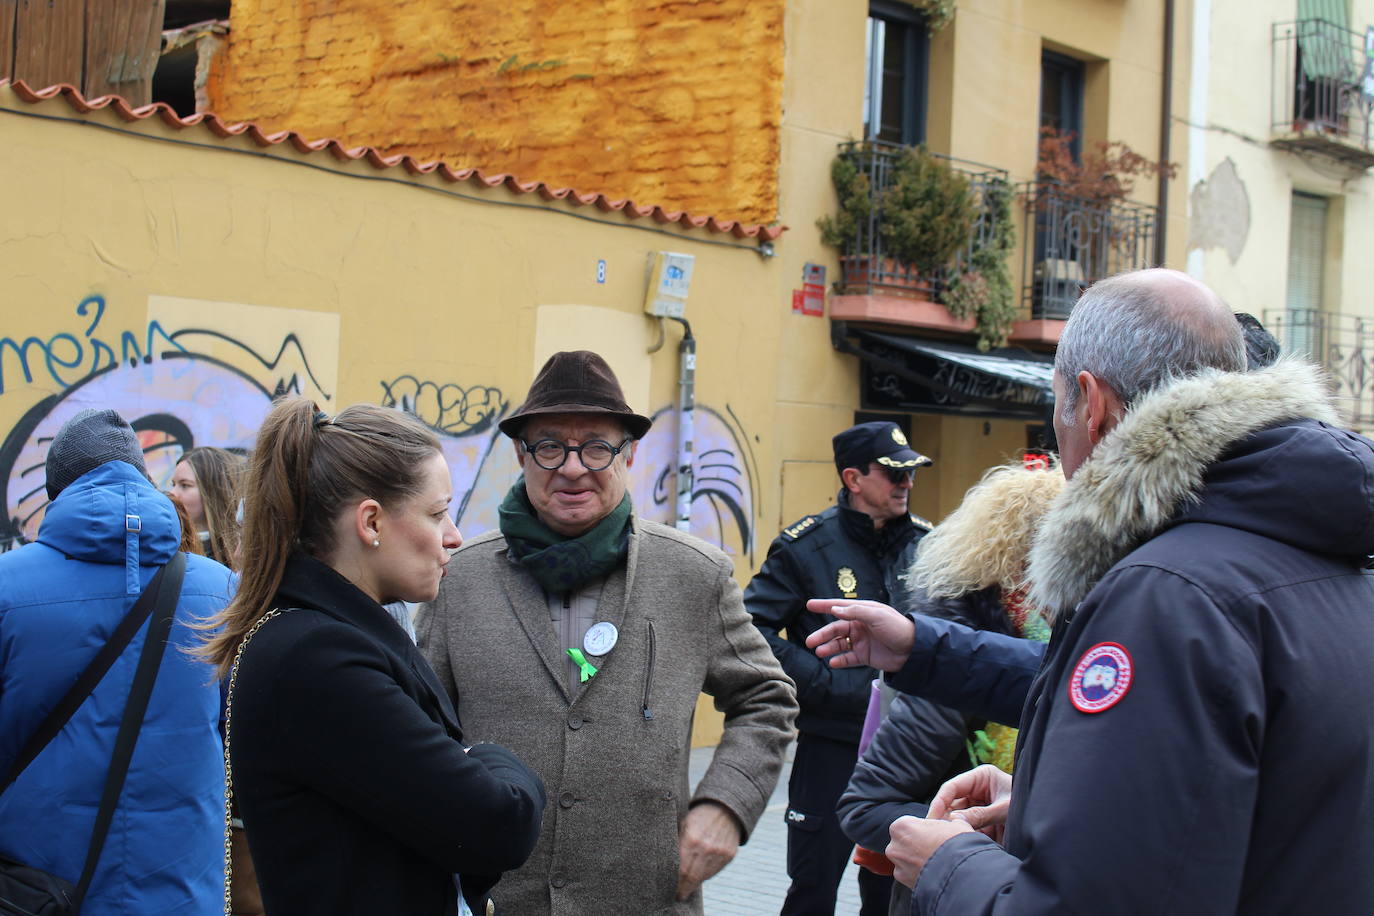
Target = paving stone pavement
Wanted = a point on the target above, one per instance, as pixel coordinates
(755, 883)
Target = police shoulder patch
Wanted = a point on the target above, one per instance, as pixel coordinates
(919, 522)
(1101, 678)
(808, 524)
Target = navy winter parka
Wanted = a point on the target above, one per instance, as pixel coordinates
(60, 599)
(1199, 739)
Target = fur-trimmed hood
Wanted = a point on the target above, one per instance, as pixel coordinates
(1257, 451)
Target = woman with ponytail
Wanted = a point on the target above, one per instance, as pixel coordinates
(343, 753)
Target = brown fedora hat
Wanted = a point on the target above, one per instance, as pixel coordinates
(577, 381)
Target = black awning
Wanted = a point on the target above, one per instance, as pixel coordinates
(915, 374)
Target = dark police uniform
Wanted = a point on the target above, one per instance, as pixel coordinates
(834, 554)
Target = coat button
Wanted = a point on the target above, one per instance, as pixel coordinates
(574, 722)
(559, 881)
(566, 800)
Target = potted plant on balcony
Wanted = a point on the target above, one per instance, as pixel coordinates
(922, 217)
(983, 290)
(1085, 226)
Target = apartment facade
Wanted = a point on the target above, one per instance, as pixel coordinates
(1281, 200)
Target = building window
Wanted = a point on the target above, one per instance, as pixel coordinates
(896, 52)
(1306, 260)
(1061, 96)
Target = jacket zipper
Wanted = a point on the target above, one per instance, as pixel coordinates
(649, 675)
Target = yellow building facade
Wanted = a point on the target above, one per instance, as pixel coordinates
(185, 272)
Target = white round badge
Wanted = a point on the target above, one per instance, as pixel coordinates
(600, 639)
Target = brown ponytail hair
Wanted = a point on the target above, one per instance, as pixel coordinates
(305, 470)
(218, 472)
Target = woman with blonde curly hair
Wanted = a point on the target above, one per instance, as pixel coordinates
(970, 569)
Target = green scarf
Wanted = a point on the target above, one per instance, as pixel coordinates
(558, 563)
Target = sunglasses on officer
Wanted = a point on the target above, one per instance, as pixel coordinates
(899, 476)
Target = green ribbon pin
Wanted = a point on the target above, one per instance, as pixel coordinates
(587, 668)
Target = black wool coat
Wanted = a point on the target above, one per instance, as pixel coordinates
(357, 793)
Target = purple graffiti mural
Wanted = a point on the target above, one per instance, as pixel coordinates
(191, 386)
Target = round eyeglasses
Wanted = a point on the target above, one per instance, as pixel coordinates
(595, 454)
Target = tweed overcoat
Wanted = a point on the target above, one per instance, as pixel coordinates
(613, 752)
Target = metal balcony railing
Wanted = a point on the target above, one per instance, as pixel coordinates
(1343, 344)
(1322, 90)
(866, 267)
(1077, 241)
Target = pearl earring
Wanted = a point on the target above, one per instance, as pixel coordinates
(376, 542)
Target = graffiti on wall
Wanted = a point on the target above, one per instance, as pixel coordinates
(722, 478)
(463, 418)
(198, 373)
(179, 386)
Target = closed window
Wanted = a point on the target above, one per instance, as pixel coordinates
(1306, 257)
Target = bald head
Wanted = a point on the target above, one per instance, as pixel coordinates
(1136, 330)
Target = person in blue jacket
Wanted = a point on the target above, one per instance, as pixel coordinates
(1198, 739)
(106, 532)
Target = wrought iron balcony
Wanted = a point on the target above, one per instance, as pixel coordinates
(1322, 91)
(866, 267)
(1075, 241)
(1343, 344)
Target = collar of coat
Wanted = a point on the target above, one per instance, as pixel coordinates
(307, 582)
(1152, 465)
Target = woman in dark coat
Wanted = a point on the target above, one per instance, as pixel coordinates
(346, 758)
(970, 569)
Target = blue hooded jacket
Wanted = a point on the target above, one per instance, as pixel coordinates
(60, 600)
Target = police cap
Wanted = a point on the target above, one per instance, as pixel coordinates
(881, 441)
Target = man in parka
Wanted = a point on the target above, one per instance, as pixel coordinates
(580, 636)
(858, 548)
(1198, 738)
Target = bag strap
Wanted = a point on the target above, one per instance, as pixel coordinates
(86, 682)
(168, 590)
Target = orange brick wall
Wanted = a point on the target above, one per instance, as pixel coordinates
(671, 102)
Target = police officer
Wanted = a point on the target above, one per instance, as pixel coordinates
(860, 548)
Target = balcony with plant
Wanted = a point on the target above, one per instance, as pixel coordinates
(929, 236)
(1081, 224)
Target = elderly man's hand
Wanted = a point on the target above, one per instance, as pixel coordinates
(867, 633)
(708, 840)
(914, 841)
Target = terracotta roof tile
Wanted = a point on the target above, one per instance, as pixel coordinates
(219, 128)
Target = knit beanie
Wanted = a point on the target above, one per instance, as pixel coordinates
(85, 442)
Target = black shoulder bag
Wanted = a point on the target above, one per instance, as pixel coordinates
(26, 891)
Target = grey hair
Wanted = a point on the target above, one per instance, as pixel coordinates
(1139, 329)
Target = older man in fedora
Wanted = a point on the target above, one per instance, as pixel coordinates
(580, 636)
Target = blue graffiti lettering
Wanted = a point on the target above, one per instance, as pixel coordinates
(69, 361)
